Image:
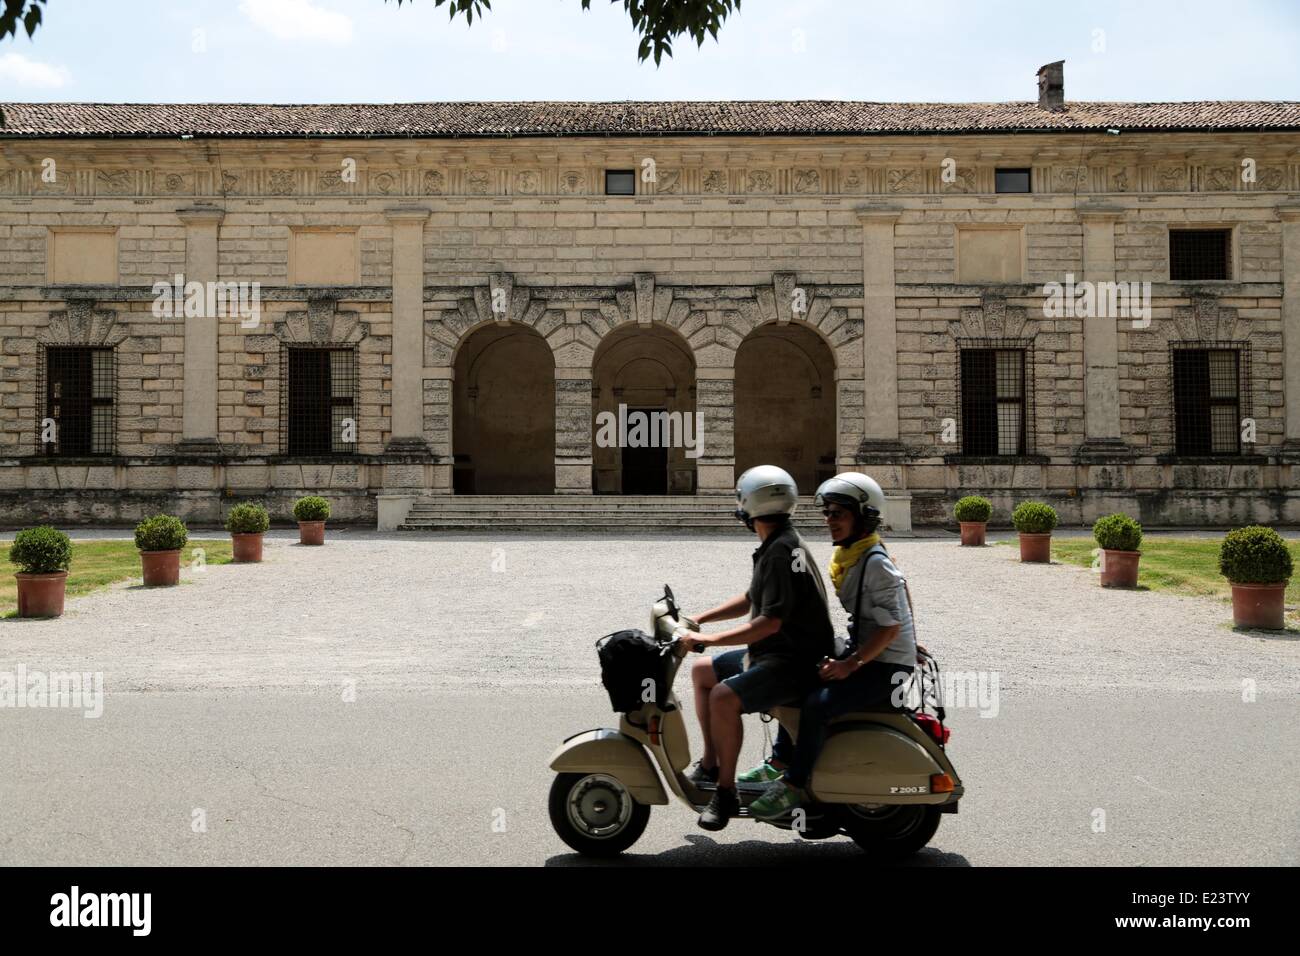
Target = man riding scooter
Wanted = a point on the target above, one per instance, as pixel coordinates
(881, 653)
(788, 632)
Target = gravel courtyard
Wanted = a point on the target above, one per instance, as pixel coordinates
(420, 612)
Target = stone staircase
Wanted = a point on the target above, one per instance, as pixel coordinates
(613, 513)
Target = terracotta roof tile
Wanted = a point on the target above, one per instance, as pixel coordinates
(797, 117)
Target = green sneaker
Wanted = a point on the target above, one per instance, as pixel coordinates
(777, 801)
(759, 776)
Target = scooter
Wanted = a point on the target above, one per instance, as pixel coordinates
(883, 778)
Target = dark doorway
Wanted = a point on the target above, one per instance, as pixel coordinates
(645, 470)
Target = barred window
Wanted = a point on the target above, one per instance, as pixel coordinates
(994, 405)
(1207, 401)
(1200, 254)
(78, 414)
(318, 393)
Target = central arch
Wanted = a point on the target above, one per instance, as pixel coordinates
(785, 403)
(647, 369)
(503, 413)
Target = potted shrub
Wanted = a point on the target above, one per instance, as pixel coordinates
(1035, 521)
(1118, 536)
(972, 513)
(1257, 562)
(246, 524)
(43, 556)
(160, 540)
(312, 513)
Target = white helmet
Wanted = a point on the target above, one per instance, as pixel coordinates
(857, 491)
(765, 491)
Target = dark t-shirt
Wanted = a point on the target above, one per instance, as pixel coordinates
(787, 584)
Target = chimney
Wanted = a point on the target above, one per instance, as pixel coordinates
(1051, 87)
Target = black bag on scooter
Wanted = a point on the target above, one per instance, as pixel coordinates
(632, 669)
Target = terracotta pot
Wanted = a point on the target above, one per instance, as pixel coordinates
(972, 533)
(1119, 569)
(247, 548)
(1035, 547)
(1259, 605)
(41, 595)
(161, 568)
(311, 532)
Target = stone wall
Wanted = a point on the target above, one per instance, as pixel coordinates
(443, 239)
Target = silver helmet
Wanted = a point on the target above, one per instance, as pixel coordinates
(856, 491)
(765, 491)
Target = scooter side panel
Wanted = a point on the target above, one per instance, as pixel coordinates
(873, 763)
(610, 752)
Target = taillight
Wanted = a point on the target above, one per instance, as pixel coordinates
(653, 728)
(937, 731)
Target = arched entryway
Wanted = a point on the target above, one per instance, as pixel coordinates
(643, 376)
(503, 413)
(785, 403)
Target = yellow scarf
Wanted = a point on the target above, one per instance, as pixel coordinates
(845, 558)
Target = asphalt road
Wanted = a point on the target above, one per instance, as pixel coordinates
(461, 777)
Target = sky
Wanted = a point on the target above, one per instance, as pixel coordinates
(330, 51)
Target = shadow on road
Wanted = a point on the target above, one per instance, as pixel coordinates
(705, 851)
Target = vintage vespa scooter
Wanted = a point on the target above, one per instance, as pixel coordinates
(883, 778)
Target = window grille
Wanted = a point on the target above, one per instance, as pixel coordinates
(318, 396)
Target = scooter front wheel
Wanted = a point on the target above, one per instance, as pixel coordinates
(594, 814)
(891, 832)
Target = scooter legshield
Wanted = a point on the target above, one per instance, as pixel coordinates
(875, 763)
(615, 754)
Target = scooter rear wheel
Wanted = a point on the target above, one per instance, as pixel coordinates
(594, 814)
(891, 833)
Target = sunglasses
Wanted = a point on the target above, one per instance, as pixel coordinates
(836, 513)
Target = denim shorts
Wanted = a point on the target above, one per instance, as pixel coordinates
(768, 682)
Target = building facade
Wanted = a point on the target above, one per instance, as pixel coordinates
(1095, 305)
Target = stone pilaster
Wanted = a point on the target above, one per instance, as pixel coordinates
(1289, 213)
(408, 328)
(573, 420)
(715, 399)
(880, 440)
(199, 409)
(1100, 336)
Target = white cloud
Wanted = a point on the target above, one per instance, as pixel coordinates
(298, 20)
(16, 68)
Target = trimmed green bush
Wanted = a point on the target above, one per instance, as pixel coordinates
(1254, 555)
(311, 508)
(247, 519)
(973, 508)
(42, 550)
(161, 533)
(1117, 532)
(1034, 517)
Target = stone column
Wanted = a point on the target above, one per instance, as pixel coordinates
(880, 442)
(715, 399)
(1289, 213)
(1100, 335)
(199, 416)
(408, 328)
